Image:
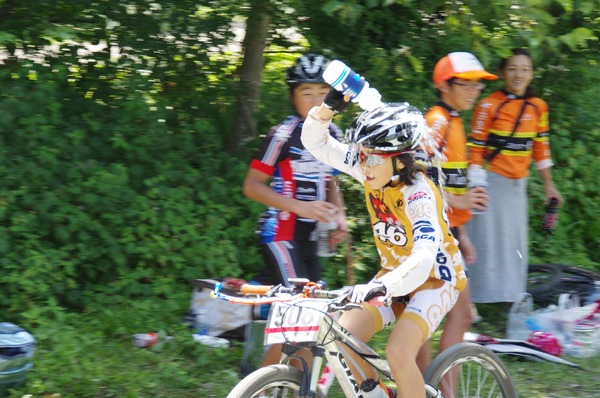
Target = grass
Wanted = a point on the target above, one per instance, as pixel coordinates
(92, 356)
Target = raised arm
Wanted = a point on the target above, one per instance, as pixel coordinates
(317, 140)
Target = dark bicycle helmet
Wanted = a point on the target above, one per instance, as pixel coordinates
(308, 69)
(393, 127)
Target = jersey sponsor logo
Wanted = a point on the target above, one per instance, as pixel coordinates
(514, 146)
(456, 180)
(351, 157)
(527, 116)
(420, 210)
(305, 190)
(414, 309)
(423, 230)
(392, 234)
(348, 372)
(480, 121)
(307, 166)
(417, 195)
(287, 190)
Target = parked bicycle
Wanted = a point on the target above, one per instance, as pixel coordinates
(301, 317)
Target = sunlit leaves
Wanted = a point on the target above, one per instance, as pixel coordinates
(578, 38)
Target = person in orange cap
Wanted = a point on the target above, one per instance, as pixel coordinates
(457, 80)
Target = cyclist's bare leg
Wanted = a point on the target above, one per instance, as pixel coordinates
(360, 323)
(457, 324)
(458, 321)
(273, 356)
(401, 352)
(424, 356)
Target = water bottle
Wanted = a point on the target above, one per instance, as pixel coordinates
(373, 389)
(326, 247)
(595, 295)
(339, 76)
(550, 216)
(477, 178)
(145, 340)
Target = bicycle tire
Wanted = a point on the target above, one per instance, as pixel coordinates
(573, 273)
(546, 282)
(256, 384)
(543, 279)
(480, 373)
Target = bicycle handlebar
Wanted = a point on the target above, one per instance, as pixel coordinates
(269, 293)
(259, 290)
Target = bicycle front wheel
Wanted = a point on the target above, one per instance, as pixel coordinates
(468, 370)
(281, 381)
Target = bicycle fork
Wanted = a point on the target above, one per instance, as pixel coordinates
(310, 377)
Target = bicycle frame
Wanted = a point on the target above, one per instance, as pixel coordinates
(333, 342)
(337, 341)
(304, 321)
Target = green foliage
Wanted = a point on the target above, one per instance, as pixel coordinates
(92, 355)
(116, 185)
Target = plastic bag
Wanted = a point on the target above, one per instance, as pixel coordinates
(556, 319)
(516, 324)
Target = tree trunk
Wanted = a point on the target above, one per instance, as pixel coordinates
(248, 96)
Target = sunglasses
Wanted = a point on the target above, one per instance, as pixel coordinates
(470, 86)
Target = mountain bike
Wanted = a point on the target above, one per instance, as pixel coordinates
(546, 282)
(302, 317)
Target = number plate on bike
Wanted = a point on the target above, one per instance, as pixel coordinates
(297, 322)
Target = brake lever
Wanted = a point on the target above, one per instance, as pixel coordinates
(341, 307)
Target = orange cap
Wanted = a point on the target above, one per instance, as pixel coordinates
(462, 65)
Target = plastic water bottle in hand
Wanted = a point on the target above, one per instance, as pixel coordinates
(339, 76)
(326, 247)
(477, 178)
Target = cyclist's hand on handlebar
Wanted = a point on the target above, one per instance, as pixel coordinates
(366, 292)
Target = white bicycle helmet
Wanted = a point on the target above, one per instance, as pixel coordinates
(394, 127)
(308, 69)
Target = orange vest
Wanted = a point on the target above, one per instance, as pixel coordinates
(447, 125)
(492, 127)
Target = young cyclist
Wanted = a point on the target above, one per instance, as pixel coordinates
(302, 191)
(420, 258)
(457, 79)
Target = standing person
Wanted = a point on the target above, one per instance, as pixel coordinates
(303, 190)
(509, 129)
(457, 79)
(419, 256)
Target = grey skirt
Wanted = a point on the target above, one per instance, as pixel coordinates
(500, 236)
